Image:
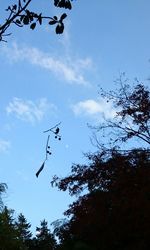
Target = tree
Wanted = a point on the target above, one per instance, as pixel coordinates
(3, 188)
(112, 208)
(132, 119)
(23, 231)
(114, 214)
(44, 239)
(21, 15)
(8, 233)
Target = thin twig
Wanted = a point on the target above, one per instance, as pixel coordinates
(51, 129)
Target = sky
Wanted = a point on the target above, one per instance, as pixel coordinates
(48, 78)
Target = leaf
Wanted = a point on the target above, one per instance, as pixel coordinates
(52, 22)
(63, 4)
(14, 7)
(18, 21)
(63, 16)
(41, 168)
(68, 5)
(32, 26)
(56, 2)
(59, 28)
(40, 19)
(57, 131)
(26, 20)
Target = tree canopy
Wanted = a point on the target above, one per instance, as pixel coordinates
(131, 104)
(112, 208)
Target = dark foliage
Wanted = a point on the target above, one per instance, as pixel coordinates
(132, 119)
(44, 239)
(114, 214)
(15, 234)
(112, 208)
(3, 188)
(21, 15)
(113, 190)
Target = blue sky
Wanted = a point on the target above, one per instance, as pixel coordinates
(47, 78)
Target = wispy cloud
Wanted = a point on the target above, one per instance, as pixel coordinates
(28, 110)
(4, 145)
(72, 70)
(97, 109)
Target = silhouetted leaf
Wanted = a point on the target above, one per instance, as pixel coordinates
(32, 26)
(60, 28)
(41, 168)
(63, 16)
(14, 7)
(18, 21)
(63, 4)
(52, 22)
(26, 20)
(57, 130)
(68, 5)
(40, 19)
(56, 2)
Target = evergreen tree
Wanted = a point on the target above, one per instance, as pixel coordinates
(23, 231)
(3, 188)
(44, 239)
(8, 233)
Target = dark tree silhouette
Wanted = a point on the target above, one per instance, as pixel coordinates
(132, 119)
(112, 208)
(8, 232)
(20, 15)
(3, 187)
(114, 214)
(44, 239)
(23, 231)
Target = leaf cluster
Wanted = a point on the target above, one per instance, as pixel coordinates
(20, 15)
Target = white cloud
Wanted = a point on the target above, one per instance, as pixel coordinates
(72, 70)
(29, 111)
(4, 145)
(96, 109)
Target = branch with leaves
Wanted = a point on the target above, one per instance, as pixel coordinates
(20, 15)
(132, 119)
(56, 132)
